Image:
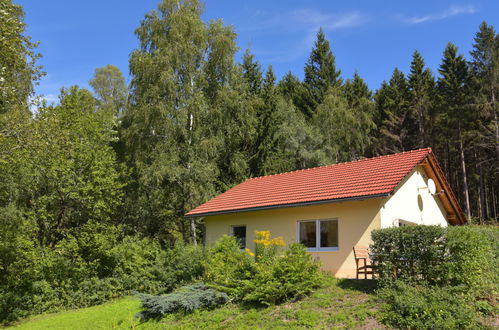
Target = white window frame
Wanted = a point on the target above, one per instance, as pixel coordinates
(317, 247)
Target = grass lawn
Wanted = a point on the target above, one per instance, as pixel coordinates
(340, 304)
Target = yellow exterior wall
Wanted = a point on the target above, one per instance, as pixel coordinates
(356, 220)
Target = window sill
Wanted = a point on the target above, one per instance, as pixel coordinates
(333, 249)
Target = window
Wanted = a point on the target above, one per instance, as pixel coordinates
(239, 232)
(319, 235)
(404, 223)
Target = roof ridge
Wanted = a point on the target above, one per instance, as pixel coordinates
(343, 163)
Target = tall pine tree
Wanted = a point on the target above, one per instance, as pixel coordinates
(392, 103)
(421, 87)
(454, 113)
(320, 73)
(485, 87)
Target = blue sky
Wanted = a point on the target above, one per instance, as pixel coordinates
(372, 37)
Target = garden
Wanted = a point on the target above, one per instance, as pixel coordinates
(428, 277)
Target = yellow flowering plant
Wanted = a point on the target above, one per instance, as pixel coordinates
(266, 248)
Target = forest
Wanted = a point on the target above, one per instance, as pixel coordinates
(128, 161)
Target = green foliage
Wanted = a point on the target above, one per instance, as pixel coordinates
(460, 257)
(292, 275)
(91, 267)
(419, 307)
(228, 268)
(470, 260)
(335, 305)
(410, 253)
(345, 129)
(18, 70)
(185, 299)
(421, 87)
(272, 277)
(180, 78)
(110, 88)
(392, 102)
(196, 123)
(320, 73)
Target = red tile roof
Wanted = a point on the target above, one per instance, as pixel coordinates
(366, 178)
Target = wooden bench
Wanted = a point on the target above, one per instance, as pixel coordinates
(363, 261)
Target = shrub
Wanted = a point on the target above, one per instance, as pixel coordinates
(227, 268)
(492, 235)
(293, 275)
(88, 268)
(469, 260)
(455, 256)
(268, 276)
(420, 307)
(185, 299)
(408, 253)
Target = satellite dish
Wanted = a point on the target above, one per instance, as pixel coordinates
(432, 188)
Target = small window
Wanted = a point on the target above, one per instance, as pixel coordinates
(404, 223)
(319, 235)
(239, 232)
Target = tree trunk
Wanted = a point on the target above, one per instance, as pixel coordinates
(483, 198)
(463, 168)
(193, 230)
(495, 122)
(421, 127)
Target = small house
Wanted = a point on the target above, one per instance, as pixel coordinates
(330, 209)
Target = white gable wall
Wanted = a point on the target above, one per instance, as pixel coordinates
(412, 203)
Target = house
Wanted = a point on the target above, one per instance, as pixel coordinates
(331, 209)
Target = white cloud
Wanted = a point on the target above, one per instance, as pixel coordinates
(306, 19)
(452, 11)
(315, 19)
(304, 24)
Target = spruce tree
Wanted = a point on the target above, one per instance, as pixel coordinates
(320, 73)
(356, 90)
(421, 87)
(454, 112)
(252, 72)
(292, 89)
(484, 87)
(265, 144)
(392, 103)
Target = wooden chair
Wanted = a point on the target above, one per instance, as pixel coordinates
(361, 253)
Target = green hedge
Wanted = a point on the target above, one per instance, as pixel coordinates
(456, 256)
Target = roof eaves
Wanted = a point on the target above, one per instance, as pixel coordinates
(276, 206)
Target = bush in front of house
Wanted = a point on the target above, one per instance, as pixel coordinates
(227, 268)
(456, 256)
(436, 278)
(269, 276)
(185, 299)
(293, 275)
(408, 253)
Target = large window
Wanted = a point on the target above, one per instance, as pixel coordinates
(239, 232)
(319, 235)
